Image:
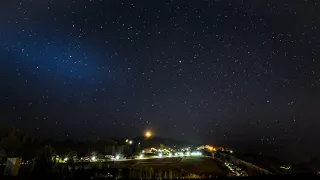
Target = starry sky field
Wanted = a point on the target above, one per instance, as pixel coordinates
(242, 74)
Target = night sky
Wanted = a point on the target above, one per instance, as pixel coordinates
(242, 74)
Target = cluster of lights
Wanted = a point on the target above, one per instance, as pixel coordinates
(176, 154)
(200, 147)
(185, 149)
(285, 167)
(165, 150)
(232, 169)
(210, 148)
(196, 154)
(117, 157)
(131, 142)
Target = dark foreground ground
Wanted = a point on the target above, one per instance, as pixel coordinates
(300, 176)
(162, 168)
(159, 168)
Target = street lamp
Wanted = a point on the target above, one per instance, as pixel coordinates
(93, 158)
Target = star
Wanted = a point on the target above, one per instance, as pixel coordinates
(220, 72)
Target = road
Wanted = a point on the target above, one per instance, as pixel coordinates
(155, 157)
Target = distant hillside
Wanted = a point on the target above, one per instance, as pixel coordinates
(155, 141)
(15, 142)
(310, 166)
(269, 163)
(82, 147)
(273, 164)
(107, 146)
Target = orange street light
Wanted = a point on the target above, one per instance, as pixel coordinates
(148, 134)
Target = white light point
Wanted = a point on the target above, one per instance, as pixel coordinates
(93, 158)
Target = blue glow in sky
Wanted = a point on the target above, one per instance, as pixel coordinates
(55, 55)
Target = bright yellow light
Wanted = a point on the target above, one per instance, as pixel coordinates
(127, 140)
(148, 134)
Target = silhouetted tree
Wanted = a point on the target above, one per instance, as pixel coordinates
(100, 156)
(3, 156)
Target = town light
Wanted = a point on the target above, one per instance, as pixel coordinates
(160, 155)
(66, 159)
(117, 157)
(196, 154)
(170, 154)
(93, 158)
(130, 142)
(141, 156)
